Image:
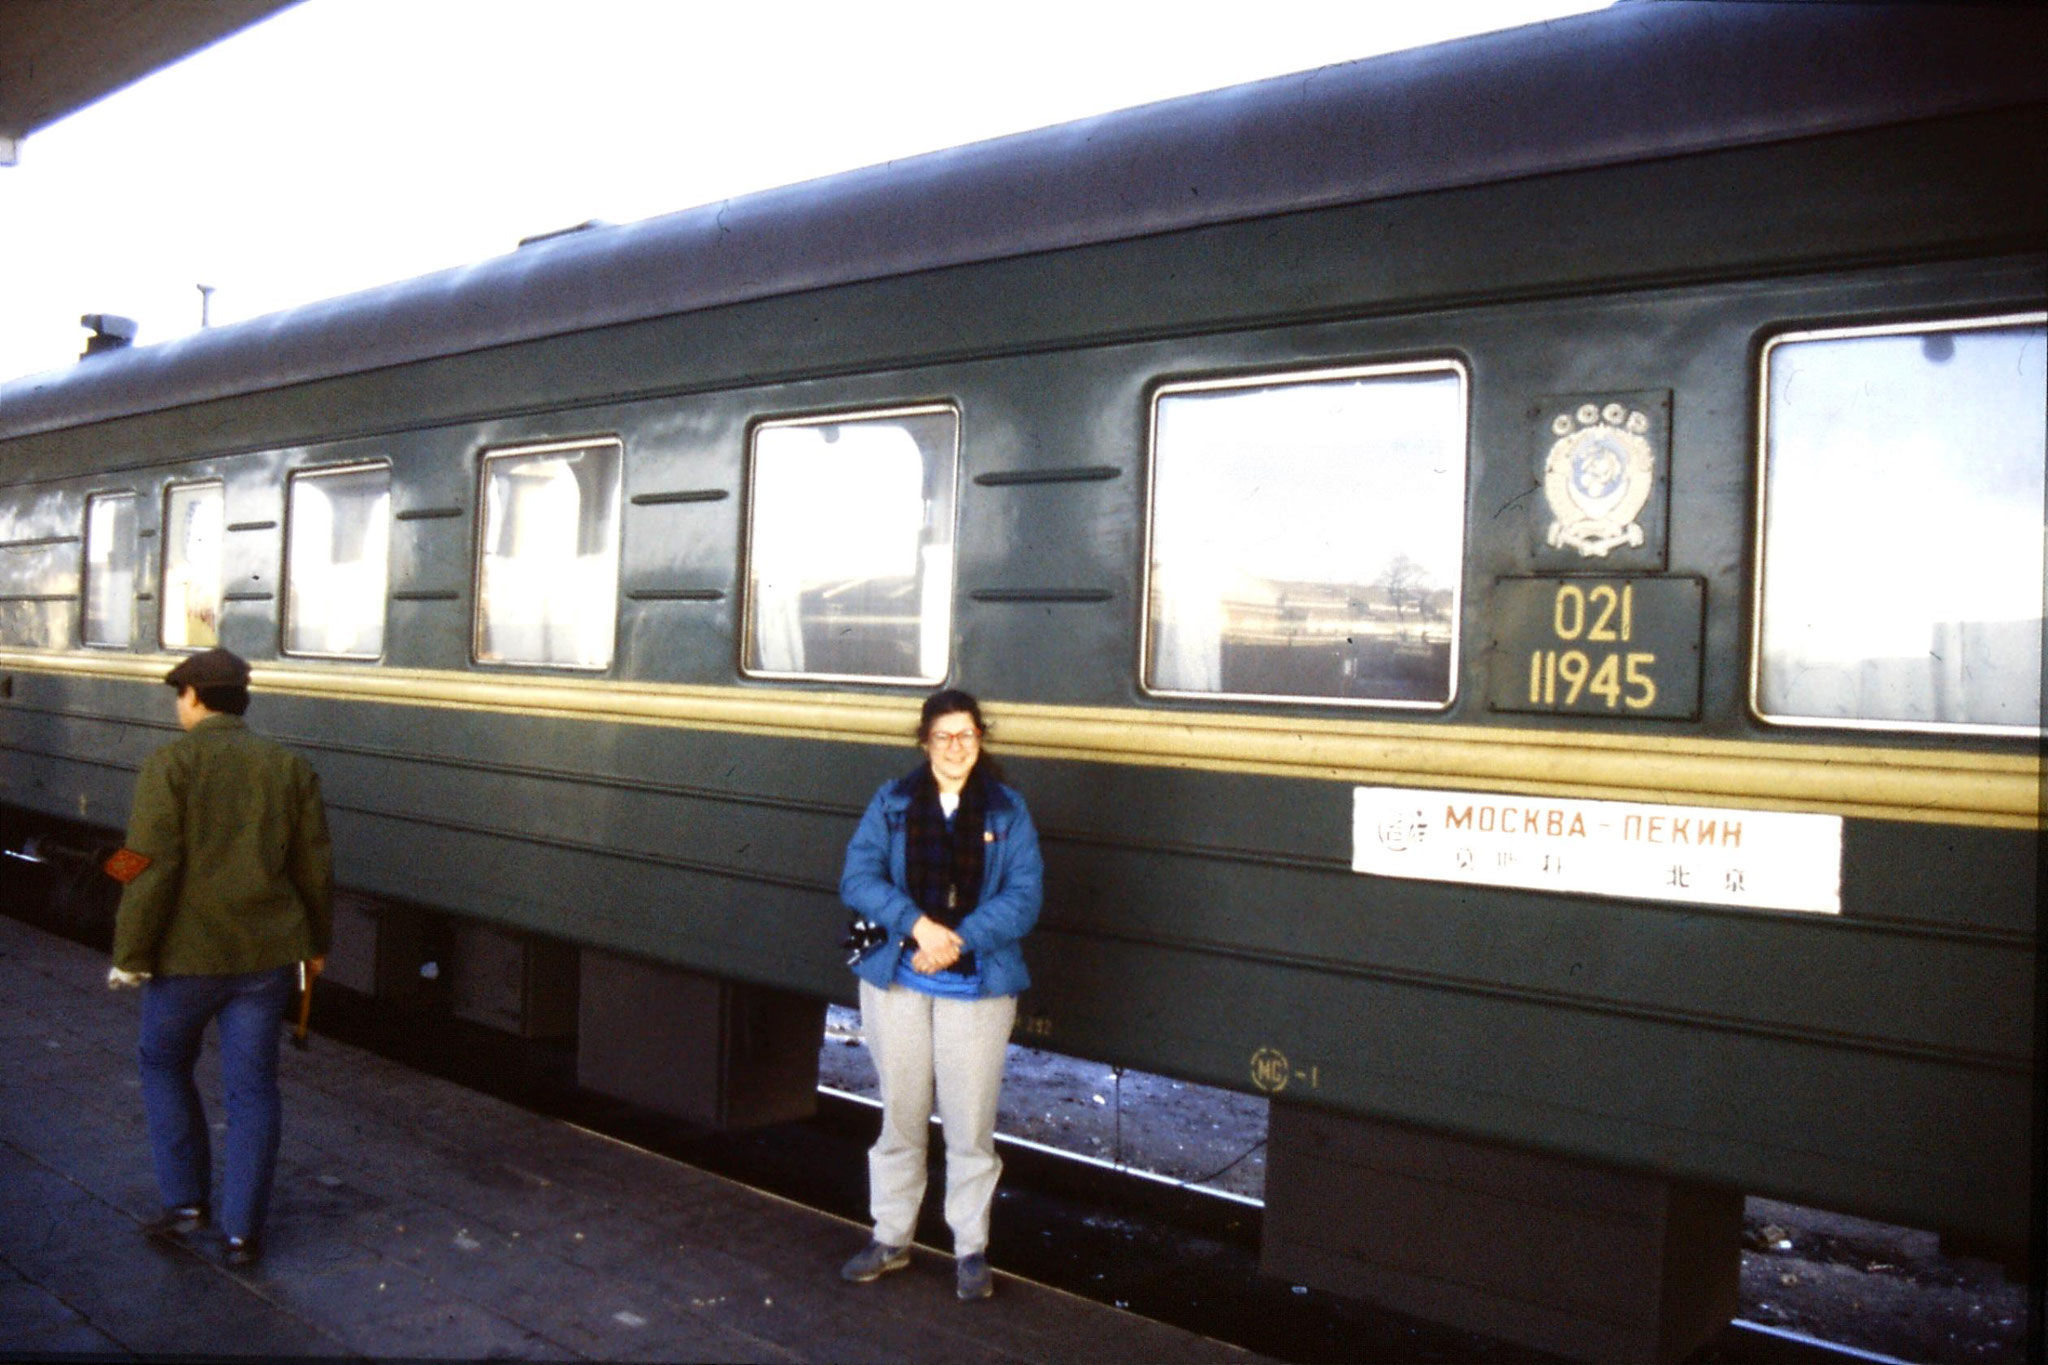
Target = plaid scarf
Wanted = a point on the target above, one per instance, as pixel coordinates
(944, 866)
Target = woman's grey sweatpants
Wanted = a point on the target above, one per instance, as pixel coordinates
(916, 1039)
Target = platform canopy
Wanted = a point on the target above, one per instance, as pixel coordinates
(57, 56)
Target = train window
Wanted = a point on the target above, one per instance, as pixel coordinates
(337, 564)
(194, 515)
(1900, 577)
(38, 575)
(850, 546)
(1307, 536)
(110, 562)
(548, 575)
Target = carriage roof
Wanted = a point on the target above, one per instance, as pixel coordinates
(1635, 82)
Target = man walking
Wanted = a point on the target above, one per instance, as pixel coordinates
(229, 888)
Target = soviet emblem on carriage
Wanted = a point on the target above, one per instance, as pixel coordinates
(1604, 462)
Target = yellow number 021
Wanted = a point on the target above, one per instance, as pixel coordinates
(1607, 603)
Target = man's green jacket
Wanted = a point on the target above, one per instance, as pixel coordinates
(240, 874)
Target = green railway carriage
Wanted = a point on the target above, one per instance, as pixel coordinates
(1509, 574)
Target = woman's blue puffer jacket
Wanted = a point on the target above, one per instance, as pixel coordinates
(1012, 887)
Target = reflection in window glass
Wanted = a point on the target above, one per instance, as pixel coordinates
(548, 583)
(340, 539)
(193, 517)
(38, 572)
(850, 564)
(1308, 537)
(1902, 575)
(110, 557)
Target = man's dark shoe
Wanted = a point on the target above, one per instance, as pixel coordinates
(176, 1224)
(242, 1251)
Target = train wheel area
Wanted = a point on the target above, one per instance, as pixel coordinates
(1806, 1274)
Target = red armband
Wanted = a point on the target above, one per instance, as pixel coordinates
(126, 865)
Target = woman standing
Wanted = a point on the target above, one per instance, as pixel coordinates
(946, 861)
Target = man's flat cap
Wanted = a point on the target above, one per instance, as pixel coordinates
(210, 668)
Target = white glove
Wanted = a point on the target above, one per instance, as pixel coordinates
(118, 980)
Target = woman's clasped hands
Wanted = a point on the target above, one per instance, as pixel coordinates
(937, 946)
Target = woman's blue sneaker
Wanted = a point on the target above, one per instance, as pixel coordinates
(971, 1279)
(874, 1261)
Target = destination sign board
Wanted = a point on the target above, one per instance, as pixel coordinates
(1757, 860)
(1598, 646)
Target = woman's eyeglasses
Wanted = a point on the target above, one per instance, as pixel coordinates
(953, 739)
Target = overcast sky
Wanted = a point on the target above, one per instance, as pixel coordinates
(348, 143)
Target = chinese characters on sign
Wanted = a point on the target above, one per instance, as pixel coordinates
(1761, 860)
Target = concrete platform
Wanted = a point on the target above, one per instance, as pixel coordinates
(415, 1219)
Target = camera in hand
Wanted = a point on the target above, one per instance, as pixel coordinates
(863, 936)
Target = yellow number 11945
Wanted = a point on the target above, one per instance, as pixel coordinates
(1580, 674)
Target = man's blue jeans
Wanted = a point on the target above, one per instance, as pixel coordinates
(175, 1011)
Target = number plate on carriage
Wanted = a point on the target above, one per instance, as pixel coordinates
(1598, 646)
